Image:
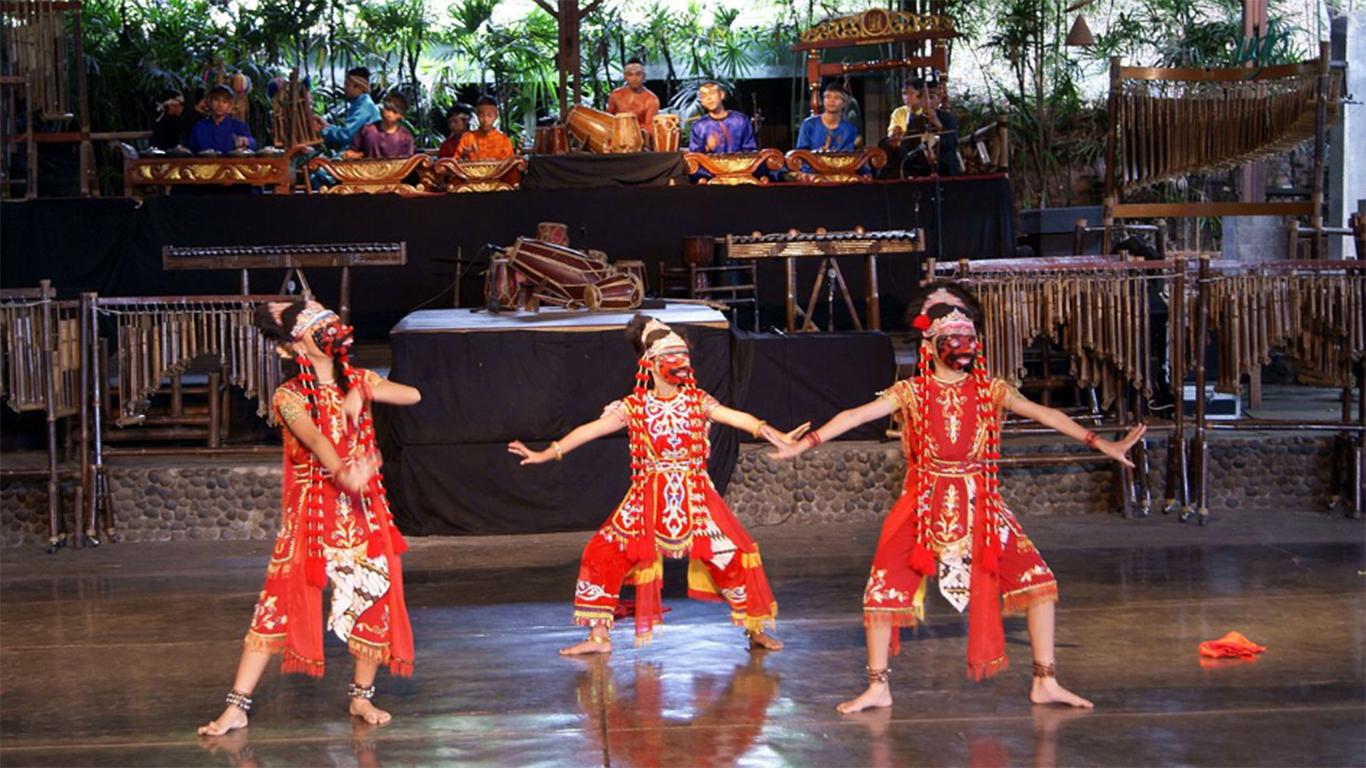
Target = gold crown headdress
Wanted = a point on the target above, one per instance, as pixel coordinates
(954, 323)
(313, 314)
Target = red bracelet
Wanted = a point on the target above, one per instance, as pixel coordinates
(1090, 440)
(813, 438)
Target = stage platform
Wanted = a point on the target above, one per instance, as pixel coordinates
(112, 657)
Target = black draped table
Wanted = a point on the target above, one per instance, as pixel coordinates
(489, 379)
(581, 170)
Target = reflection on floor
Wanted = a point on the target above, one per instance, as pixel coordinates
(113, 656)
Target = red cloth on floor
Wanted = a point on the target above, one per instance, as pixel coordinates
(1233, 645)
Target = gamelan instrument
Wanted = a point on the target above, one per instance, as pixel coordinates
(605, 133)
(158, 337)
(536, 272)
(666, 135)
(1167, 123)
(551, 140)
(293, 258)
(827, 246)
(734, 167)
(553, 232)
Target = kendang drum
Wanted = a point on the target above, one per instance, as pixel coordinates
(561, 276)
(635, 268)
(621, 291)
(592, 128)
(501, 284)
(665, 134)
(551, 140)
(553, 232)
(626, 134)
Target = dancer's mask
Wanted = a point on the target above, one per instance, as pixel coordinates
(955, 340)
(668, 355)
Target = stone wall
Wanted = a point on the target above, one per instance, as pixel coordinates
(855, 481)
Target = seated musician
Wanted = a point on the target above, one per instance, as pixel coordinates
(220, 131)
(720, 130)
(634, 97)
(172, 123)
(949, 162)
(360, 112)
(388, 137)
(486, 142)
(829, 131)
(457, 124)
(916, 134)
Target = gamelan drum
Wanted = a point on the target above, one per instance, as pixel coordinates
(665, 134)
(635, 268)
(551, 140)
(553, 232)
(621, 291)
(500, 285)
(562, 275)
(626, 135)
(699, 251)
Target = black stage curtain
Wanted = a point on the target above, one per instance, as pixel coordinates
(481, 390)
(580, 171)
(114, 246)
(788, 379)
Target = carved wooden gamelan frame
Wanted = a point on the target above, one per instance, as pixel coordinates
(875, 26)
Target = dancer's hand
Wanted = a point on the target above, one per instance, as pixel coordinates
(1118, 450)
(355, 476)
(517, 448)
(353, 406)
(790, 450)
(780, 439)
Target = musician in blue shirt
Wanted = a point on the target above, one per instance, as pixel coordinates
(220, 131)
(829, 131)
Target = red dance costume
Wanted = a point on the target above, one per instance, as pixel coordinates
(328, 535)
(950, 522)
(672, 510)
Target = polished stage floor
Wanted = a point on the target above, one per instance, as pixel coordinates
(113, 656)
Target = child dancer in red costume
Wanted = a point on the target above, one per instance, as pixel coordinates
(672, 509)
(335, 525)
(950, 522)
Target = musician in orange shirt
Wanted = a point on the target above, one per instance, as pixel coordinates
(487, 142)
(634, 97)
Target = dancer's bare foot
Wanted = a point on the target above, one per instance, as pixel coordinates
(234, 744)
(231, 719)
(597, 642)
(877, 695)
(763, 640)
(1047, 691)
(367, 711)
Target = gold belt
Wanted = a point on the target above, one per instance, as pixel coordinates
(954, 468)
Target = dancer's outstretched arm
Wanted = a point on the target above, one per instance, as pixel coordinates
(1055, 419)
(585, 433)
(382, 391)
(748, 422)
(843, 421)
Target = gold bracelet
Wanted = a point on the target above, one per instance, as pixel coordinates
(758, 427)
(559, 455)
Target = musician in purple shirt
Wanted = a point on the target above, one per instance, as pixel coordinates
(220, 131)
(720, 130)
(388, 137)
